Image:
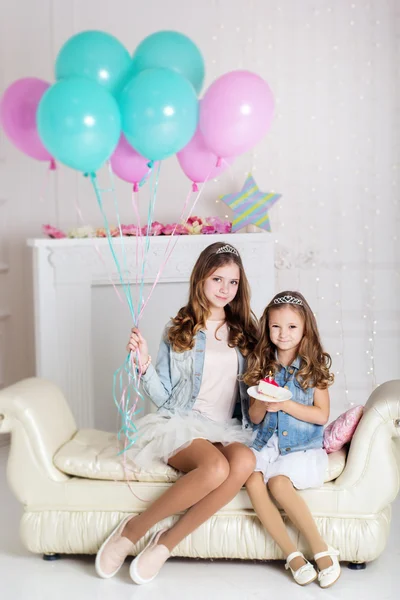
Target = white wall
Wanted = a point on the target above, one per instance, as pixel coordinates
(333, 152)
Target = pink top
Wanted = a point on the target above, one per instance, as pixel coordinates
(218, 390)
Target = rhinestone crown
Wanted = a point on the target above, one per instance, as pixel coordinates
(288, 300)
(227, 248)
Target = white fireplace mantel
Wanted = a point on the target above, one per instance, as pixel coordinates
(66, 271)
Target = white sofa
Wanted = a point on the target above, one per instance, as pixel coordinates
(71, 484)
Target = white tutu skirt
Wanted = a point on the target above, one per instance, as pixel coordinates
(161, 436)
(305, 469)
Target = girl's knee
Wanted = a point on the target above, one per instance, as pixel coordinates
(255, 480)
(279, 485)
(217, 471)
(243, 462)
(248, 462)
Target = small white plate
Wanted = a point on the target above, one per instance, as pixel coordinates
(283, 392)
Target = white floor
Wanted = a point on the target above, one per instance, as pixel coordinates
(24, 576)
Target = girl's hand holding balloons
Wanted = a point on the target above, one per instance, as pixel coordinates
(138, 343)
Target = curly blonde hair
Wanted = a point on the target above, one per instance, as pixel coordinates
(315, 363)
(242, 323)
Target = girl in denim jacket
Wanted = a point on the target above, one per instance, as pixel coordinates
(195, 385)
(289, 434)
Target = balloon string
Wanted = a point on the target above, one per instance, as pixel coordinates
(230, 171)
(127, 409)
(138, 233)
(129, 392)
(168, 254)
(139, 237)
(98, 193)
(124, 256)
(129, 429)
(99, 253)
(126, 412)
(150, 216)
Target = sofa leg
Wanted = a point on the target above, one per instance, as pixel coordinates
(357, 566)
(51, 556)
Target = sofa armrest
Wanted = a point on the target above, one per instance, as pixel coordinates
(372, 469)
(38, 417)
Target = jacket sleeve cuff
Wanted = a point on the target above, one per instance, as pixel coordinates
(150, 372)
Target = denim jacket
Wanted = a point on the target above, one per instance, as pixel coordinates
(293, 435)
(174, 383)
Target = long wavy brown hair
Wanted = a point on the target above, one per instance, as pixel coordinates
(242, 323)
(315, 363)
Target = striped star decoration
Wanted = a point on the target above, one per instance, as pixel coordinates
(250, 206)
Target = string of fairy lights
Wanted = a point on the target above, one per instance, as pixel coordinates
(331, 275)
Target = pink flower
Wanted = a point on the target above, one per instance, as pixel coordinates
(101, 232)
(181, 230)
(155, 229)
(193, 220)
(53, 232)
(130, 230)
(178, 227)
(220, 225)
(169, 229)
(207, 229)
(194, 227)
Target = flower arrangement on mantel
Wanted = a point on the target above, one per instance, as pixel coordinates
(193, 226)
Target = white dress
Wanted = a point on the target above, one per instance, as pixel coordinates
(161, 435)
(305, 469)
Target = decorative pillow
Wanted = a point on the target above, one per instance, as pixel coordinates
(339, 432)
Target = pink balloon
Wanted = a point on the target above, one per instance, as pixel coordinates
(128, 164)
(198, 162)
(18, 108)
(236, 113)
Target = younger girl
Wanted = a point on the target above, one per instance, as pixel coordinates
(288, 444)
(195, 387)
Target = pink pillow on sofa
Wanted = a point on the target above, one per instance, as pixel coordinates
(339, 432)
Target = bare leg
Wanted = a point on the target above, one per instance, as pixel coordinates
(206, 468)
(298, 512)
(241, 464)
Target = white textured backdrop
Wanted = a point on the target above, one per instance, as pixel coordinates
(332, 151)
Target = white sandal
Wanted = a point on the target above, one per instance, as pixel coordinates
(306, 574)
(330, 575)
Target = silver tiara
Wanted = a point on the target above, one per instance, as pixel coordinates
(288, 300)
(227, 248)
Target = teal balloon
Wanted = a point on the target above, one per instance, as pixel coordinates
(159, 110)
(95, 55)
(170, 50)
(79, 123)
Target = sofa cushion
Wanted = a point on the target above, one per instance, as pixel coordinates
(94, 454)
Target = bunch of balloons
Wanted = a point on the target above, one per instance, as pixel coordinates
(107, 105)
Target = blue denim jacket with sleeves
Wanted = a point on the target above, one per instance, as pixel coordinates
(293, 435)
(174, 383)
